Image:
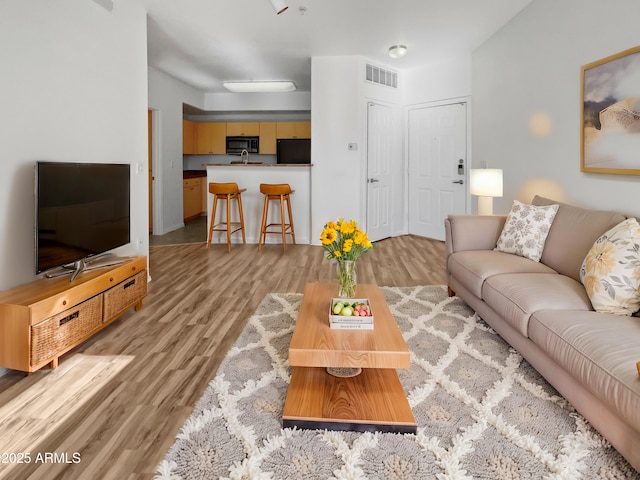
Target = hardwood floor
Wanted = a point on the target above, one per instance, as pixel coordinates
(114, 406)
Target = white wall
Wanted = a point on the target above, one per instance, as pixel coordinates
(166, 96)
(339, 97)
(438, 82)
(73, 88)
(531, 69)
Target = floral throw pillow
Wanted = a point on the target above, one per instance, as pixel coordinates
(526, 230)
(610, 272)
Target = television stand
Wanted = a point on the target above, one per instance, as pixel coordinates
(44, 319)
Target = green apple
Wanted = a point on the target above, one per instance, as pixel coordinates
(337, 308)
(347, 311)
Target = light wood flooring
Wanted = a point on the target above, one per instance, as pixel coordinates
(114, 406)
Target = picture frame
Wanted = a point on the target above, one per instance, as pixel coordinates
(610, 114)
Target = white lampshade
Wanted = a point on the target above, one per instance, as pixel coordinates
(486, 182)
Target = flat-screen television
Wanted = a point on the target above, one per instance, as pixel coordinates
(293, 150)
(82, 210)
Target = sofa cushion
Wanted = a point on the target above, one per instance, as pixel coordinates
(611, 270)
(516, 296)
(526, 230)
(472, 267)
(573, 232)
(598, 349)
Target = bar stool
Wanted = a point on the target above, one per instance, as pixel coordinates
(280, 192)
(226, 191)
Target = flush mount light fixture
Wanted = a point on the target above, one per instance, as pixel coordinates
(397, 51)
(259, 87)
(279, 6)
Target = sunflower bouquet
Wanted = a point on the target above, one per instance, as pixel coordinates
(345, 242)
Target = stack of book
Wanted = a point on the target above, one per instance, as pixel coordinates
(350, 314)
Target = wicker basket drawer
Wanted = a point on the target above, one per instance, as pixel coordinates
(52, 336)
(125, 295)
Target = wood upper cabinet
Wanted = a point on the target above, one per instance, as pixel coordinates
(243, 129)
(188, 137)
(293, 130)
(211, 138)
(268, 138)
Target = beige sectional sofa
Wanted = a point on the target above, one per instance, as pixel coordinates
(543, 311)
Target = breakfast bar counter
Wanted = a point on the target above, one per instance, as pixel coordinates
(250, 176)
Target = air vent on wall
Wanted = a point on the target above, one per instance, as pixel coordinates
(382, 76)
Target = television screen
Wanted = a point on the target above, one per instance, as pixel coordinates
(82, 209)
(293, 150)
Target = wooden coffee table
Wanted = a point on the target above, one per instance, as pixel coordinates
(371, 401)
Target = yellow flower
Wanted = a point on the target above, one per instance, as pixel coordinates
(347, 228)
(328, 236)
(600, 259)
(343, 240)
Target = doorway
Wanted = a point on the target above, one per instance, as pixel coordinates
(379, 178)
(437, 167)
(150, 163)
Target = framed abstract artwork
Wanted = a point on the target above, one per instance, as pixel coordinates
(610, 131)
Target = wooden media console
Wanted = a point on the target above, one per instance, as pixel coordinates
(44, 319)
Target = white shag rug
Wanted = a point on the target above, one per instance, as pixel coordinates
(482, 411)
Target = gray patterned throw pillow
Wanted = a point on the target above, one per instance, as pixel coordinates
(526, 230)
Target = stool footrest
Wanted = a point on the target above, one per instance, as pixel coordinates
(222, 227)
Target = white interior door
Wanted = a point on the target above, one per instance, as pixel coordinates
(379, 151)
(437, 167)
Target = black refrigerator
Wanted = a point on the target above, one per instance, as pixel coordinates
(294, 150)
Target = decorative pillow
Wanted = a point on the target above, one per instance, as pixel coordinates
(526, 230)
(610, 272)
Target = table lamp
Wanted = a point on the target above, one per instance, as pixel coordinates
(486, 183)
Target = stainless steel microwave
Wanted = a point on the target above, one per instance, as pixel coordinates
(238, 144)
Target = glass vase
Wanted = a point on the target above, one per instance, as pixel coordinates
(346, 278)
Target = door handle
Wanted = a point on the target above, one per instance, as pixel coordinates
(373, 180)
(461, 182)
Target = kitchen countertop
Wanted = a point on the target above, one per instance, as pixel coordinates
(258, 165)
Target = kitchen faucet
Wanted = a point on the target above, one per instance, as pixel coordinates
(244, 156)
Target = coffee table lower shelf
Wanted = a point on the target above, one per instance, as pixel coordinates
(373, 401)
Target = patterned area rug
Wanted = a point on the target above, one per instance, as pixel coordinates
(482, 411)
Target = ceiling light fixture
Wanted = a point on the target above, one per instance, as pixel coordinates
(279, 6)
(397, 51)
(259, 87)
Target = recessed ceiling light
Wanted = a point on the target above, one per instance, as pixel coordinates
(259, 87)
(397, 51)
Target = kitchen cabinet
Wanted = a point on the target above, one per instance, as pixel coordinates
(188, 137)
(243, 129)
(268, 138)
(211, 138)
(293, 130)
(192, 198)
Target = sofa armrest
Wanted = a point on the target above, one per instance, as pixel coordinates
(472, 232)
